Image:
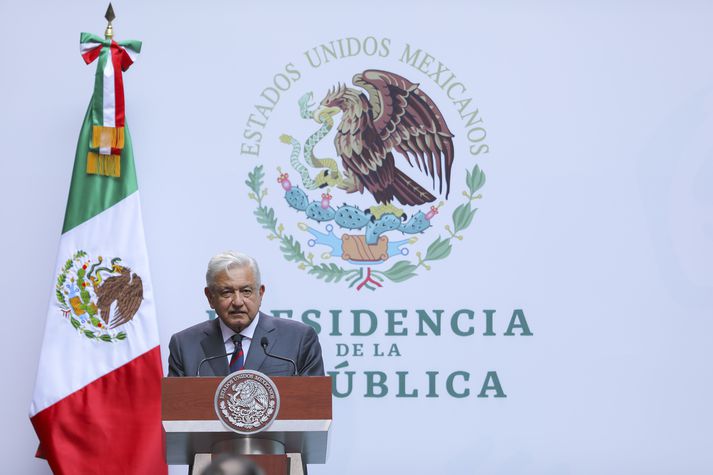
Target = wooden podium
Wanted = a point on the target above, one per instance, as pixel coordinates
(297, 437)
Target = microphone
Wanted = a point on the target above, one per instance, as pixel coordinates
(225, 355)
(264, 342)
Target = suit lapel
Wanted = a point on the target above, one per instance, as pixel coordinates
(256, 355)
(213, 345)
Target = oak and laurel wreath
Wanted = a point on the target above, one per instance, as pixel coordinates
(84, 295)
(401, 271)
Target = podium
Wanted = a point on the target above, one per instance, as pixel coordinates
(298, 436)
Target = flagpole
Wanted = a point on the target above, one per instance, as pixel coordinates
(109, 15)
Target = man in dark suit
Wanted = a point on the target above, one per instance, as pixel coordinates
(234, 291)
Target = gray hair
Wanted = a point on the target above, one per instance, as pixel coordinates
(228, 260)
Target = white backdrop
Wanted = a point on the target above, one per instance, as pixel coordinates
(596, 219)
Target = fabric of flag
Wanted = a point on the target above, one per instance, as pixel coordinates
(96, 406)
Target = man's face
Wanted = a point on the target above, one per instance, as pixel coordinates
(235, 297)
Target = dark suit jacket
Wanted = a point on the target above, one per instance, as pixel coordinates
(287, 338)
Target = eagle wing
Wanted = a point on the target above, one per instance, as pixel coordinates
(107, 292)
(262, 399)
(128, 301)
(408, 121)
(364, 154)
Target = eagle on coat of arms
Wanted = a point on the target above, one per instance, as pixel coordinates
(126, 289)
(396, 116)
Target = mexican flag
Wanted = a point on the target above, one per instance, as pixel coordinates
(96, 407)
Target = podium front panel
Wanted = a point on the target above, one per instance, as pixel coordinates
(192, 426)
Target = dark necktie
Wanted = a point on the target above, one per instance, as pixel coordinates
(237, 361)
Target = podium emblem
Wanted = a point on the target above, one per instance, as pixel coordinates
(247, 401)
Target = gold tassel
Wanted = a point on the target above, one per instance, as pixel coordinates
(106, 165)
(107, 137)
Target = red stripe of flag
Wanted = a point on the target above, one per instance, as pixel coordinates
(111, 426)
(116, 52)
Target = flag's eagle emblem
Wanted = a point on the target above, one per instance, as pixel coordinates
(396, 116)
(97, 299)
(127, 290)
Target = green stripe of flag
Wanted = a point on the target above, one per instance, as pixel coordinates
(89, 195)
(97, 106)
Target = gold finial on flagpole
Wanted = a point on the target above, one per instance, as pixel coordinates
(109, 32)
